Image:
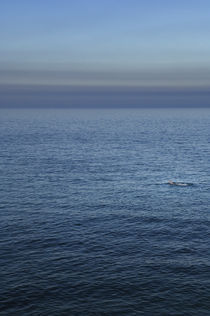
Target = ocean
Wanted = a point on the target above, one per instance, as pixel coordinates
(88, 222)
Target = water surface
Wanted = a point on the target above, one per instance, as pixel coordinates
(89, 223)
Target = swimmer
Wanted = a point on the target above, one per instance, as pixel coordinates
(179, 183)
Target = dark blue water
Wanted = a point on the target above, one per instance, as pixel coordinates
(89, 224)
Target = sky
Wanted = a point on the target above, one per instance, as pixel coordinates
(97, 53)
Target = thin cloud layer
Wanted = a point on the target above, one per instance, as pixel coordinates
(104, 54)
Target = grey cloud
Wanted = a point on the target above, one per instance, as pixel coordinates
(158, 76)
(101, 96)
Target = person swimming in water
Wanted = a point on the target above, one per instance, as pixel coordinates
(178, 183)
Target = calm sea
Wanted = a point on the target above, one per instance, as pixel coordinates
(89, 224)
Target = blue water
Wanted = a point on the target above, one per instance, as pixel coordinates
(89, 224)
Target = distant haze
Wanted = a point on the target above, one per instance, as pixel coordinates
(105, 53)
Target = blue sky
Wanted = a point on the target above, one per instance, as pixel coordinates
(105, 45)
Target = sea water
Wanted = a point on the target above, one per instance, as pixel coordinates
(89, 224)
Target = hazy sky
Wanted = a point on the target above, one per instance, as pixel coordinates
(105, 53)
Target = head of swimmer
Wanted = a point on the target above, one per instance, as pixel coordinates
(171, 182)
